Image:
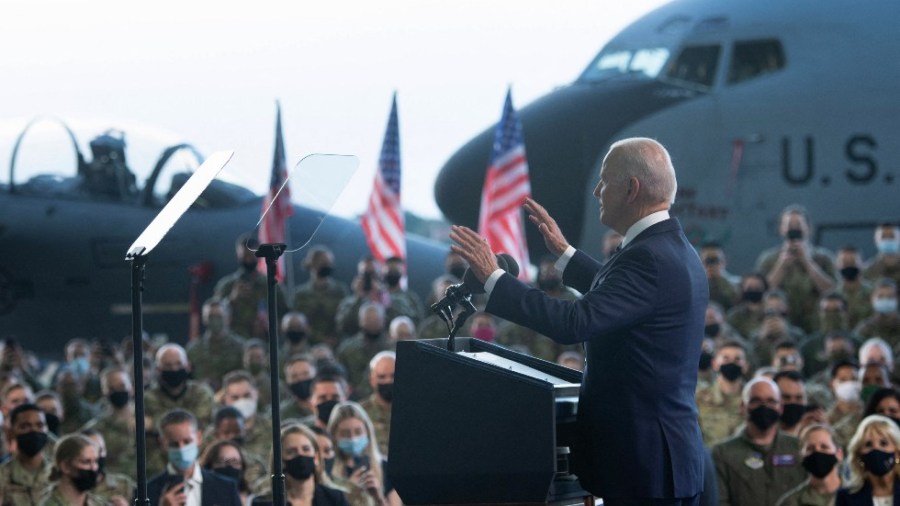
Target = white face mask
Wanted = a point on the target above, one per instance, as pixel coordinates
(847, 391)
(884, 305)
(247, 407)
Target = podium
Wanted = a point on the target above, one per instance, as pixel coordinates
(481, 425)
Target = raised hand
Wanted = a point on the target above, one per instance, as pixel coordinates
(475, 250)
(553, 236)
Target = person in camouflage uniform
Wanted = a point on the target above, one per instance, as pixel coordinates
(246, 290)
(885, 323)
(403, 301)
(295, 330)
(433, 326)
(25, 479)
(114, 488)
(240, 392)
(219, 350)
(356, 352)
(116, 424)
(256, 362)
(856, 290)
(719, 403)
(802, 271)
(174, 390)
(746, 317)
(378, 405)
(722, 285)
(74, 455)
(319, 297)
(886, 263)
(846, 412)
(299, 371)
(817, 444)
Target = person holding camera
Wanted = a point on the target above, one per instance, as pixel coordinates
(803, 271)
(722, 284)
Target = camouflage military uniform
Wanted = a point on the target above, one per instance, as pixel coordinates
(744, 319)
(355, 354)
(719, 414)
(113, 485)
(804, 495)
(196, 398)
(764, 347)
(347, 317)
(844, 424)
(381, 421)
(753, 475)
(879, 268)
(258, 439)
(884, 326)
(802, 294)
(78, 412)
(432, 327)
(21, 487)
(120, 442)
(55, 498)
(213, 357)
(723, 292)
(407, 303)
(246, 310)
(320, 305)
(859, 302)
(291, 410)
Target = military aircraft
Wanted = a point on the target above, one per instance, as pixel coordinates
(761, 103)
(63, 240)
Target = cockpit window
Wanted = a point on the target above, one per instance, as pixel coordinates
(643, 63)
(695, 65)
(754, 58)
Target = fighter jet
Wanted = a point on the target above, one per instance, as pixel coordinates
(63, 240)
(761, 103)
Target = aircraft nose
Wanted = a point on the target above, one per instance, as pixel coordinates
(566, 132)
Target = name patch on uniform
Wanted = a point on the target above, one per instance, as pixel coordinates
(754, 461)
(786, 459)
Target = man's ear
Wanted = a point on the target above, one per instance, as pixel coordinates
(634, 188)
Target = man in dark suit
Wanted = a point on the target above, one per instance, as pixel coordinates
(641, 320)
(184, 482)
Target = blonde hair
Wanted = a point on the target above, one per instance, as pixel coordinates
(881, 425)
(67, 450)
(297, 428)
(344, 411)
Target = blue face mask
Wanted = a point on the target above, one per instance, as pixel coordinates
(354, 446)
(81, 365)
(884, 305)
(888, 246)
(182, 458)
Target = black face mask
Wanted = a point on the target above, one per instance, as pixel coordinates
(754, 296)
(878, 462)
(705, 361)
(323, 410)
(119, 399)
(301, 389)
(329, 465)
(731, 371)
(712, 330)
(392, 279)
(31, 443)
(763, 417)
(85, 480)
(238, 440)
(386, 391)
(248, 266)
(792, 413)
(372, 336)
(300, 467)
(794, 234)
(101, 464)
(52, 423)
(850, 273)
(458, 270)
(295, 336)
(819, 464)
(174, 379)
(325, 271)
(228, 472)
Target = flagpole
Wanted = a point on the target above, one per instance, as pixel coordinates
(288, 266)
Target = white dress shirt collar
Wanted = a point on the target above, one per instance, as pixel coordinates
(643, 224)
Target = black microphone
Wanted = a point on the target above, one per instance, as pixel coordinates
(456, 294)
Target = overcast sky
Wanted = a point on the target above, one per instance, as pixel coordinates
(209, 73)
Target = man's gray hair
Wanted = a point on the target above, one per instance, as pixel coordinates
(380, 356)
(648, 161)
(171, 346)
(745, 393)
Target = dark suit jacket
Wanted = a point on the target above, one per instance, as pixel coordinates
(641, 318)
(216, 490)
(863, 497)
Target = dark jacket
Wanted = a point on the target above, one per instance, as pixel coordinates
(216, 490)
(641, 319)
(864, 496)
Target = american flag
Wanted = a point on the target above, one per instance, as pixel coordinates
(506, 186)
(272, 228)
(383, 221)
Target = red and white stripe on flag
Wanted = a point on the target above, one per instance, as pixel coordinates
(506, 187)
(383, 223)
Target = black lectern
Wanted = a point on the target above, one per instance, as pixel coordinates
(482, 425)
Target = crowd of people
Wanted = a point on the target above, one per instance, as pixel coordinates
(795, 385)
